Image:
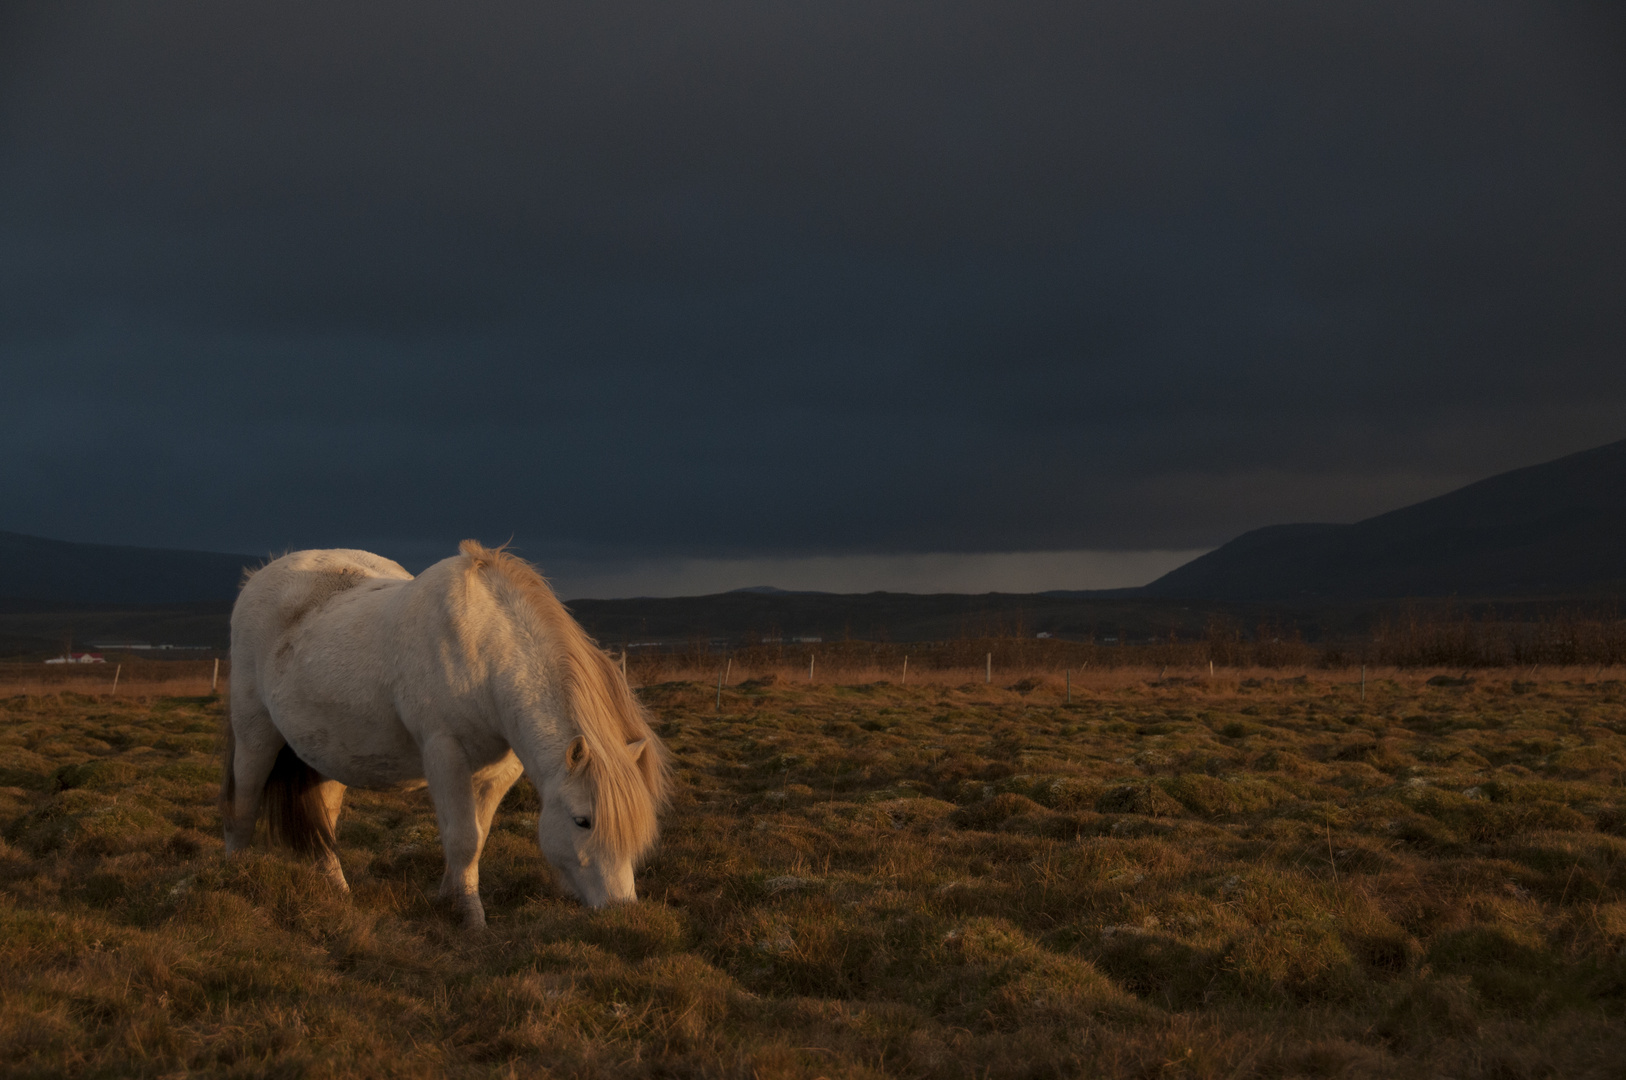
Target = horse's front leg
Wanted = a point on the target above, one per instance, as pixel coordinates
(451, 788)
(489, 788)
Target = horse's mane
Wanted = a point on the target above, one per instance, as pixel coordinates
(627, 794)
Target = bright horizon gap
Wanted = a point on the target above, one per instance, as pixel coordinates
(932, 572)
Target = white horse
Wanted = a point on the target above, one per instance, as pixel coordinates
(348, 671)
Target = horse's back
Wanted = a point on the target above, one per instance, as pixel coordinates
(290, 590)
(312, 639)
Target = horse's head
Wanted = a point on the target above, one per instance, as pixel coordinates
(591, 865)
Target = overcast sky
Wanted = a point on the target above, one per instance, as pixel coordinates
(686, 296)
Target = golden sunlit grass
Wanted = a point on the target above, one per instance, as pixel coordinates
(1256, 873)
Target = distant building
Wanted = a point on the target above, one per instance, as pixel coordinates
(78, 658)
(142, 645)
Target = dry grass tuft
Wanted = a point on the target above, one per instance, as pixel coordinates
(1258, 873)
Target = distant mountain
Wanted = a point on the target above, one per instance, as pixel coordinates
(56, 571)
(1554, 530)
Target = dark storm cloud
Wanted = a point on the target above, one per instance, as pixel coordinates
(747, 278)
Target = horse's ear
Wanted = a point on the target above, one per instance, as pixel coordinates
(637, 749)
(576, 755)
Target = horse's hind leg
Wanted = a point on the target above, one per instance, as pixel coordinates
(331, 794)
(255, 744)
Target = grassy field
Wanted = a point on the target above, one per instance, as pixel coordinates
(1177, 877)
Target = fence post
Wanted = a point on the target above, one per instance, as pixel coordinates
(116, 669)
(989, 677)
(1069, 672)
(214, 680)
(905, 670)
(1363, 682)
(810, 658)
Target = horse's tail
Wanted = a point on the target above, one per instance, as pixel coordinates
(294, 808)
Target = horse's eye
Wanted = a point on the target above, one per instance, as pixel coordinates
(583, 822)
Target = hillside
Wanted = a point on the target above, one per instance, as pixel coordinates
(36, 630)
(59, 572)
(1551, 530)
(52, 591)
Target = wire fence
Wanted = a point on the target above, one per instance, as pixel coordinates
(1407, 642)
(137, 678)
(1403, 642)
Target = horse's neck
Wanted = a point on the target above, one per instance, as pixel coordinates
(525, 676)
(539, 743)
(534, 713)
